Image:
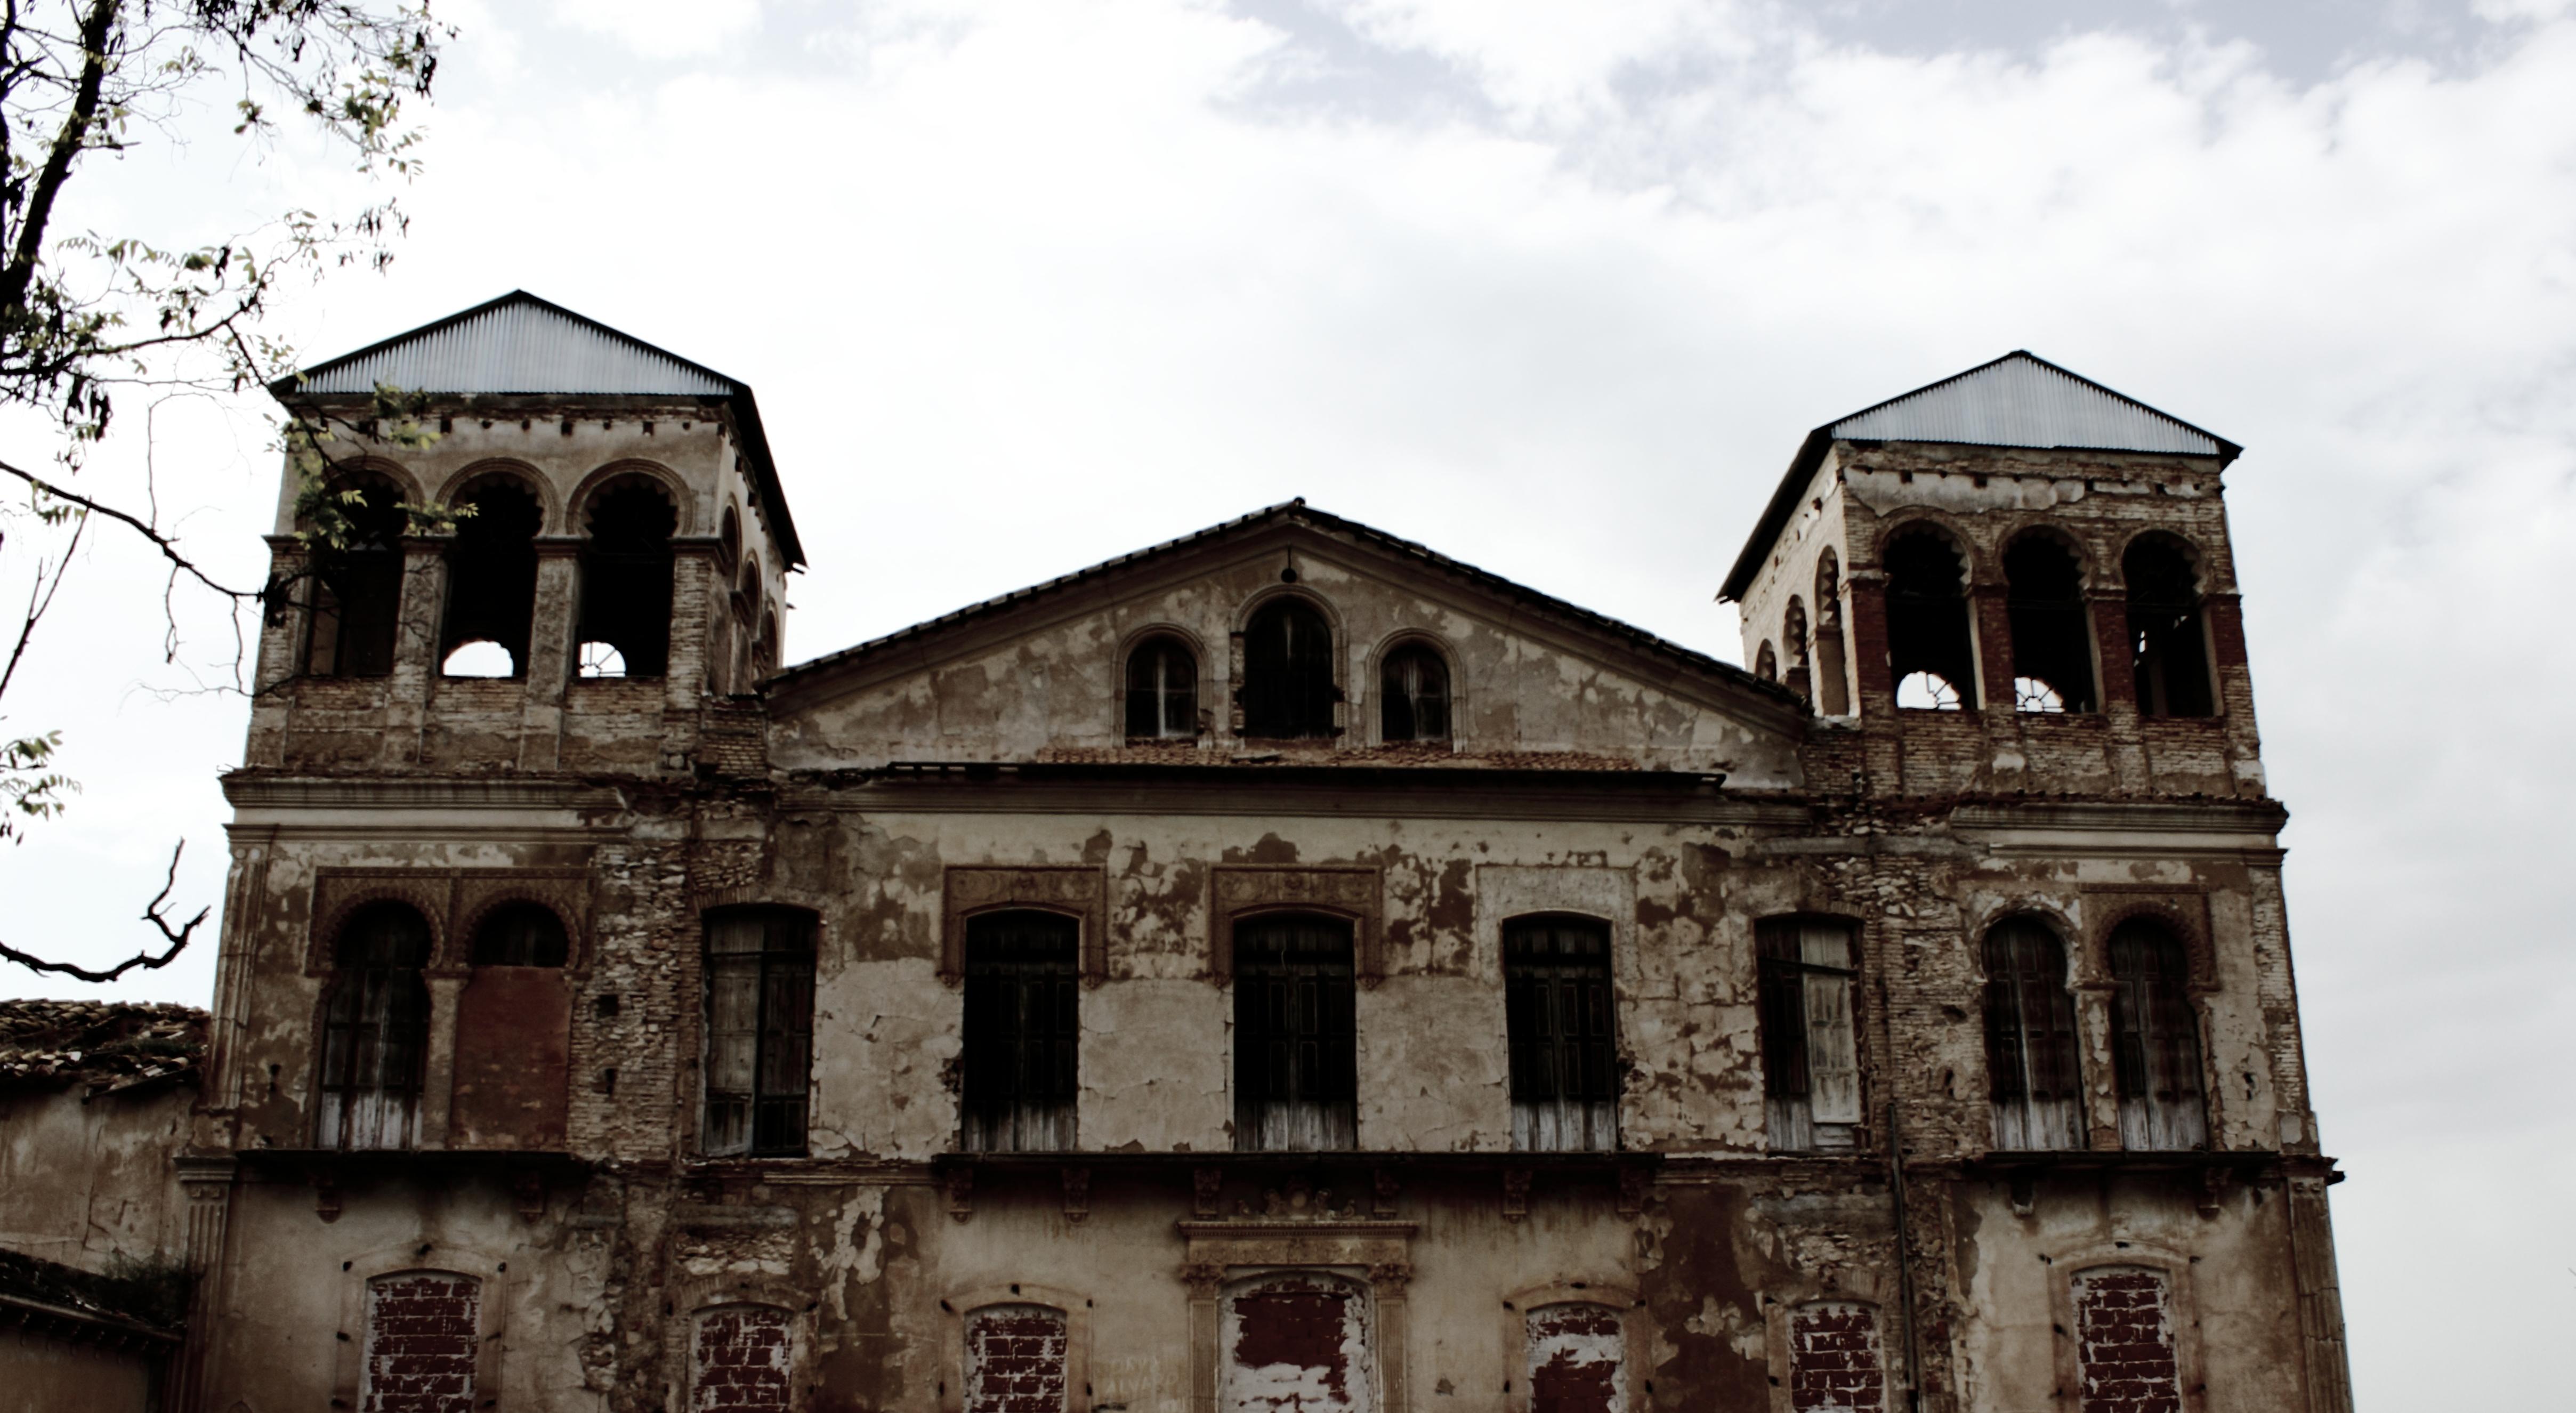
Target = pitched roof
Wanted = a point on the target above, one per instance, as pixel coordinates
(1296, 511)
(106, 1044)
(2018, 400)
(523, 346)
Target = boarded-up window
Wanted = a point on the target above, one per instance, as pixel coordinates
(1558, 1008)
(514, 1033)
(1162, 689)
(2052, 633)
(1288, 686)
(626, 581)
(740, 1360)
(1295, 1036)
(2155, 1039)
(1577, 1359)
(2168, 652)
(424, 1332)
(1023, 1028)
(492, 578)
(375, 1028)
(1413, 697)
(1930, 650)
(2124, 1333)
(1810, 1054)
(2031, 1045)
(1297, 1344)
(356, 589)
(760, 1030)
(1015, 1359)
(1835, 1365)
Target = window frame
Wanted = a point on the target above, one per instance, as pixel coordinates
(2146, 1117)
(1789, 1070)
(381, 988)
(1388, 657)
(1329, 1085)
(783, 972)
(1601, 992)
(1056, 983)
(2067, 1031)
(1159, 638)
(1327, 693)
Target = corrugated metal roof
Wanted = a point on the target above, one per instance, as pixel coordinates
(2021, 400)
(516, 344)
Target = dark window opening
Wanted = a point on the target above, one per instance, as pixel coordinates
(625, 628)
(1296, 1039)
(1793, 640)
(491, 583)
(744, 660)
(760, 1031)
(1414, 695)
(1766, 662)
(357, 587)
(375, 1031)
(1810, 1054)
(1833, 684)
(1023, 1030)
(2155, 1039)
(1560, 1015)
(521, 935)
(2031, 1042)
(1162, 690)
(1288, 690)
(2052, 633)
(2169, 655)
(1930, 650)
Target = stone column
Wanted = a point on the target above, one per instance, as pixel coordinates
(2109, 608)
(206, 1188)
(1204, 1279)
(1390, 1281)
(1992, 612)
(416, 625)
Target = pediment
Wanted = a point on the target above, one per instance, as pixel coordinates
(1037, 675)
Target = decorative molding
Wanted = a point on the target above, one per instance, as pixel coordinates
(1080, 891)
(1353, 893)
(453, 901)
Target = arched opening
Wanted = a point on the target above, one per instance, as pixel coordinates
(491, 581)
(423, 1331)
(2168, 650)
(1413, 694)
(2031, 1041)
(729, 539)
(1162, 690)
(1296, 1039)
(1833, 684)
(1300, 1340)
(1793, 640)
(1015, 1359)
(765, 648)
(1837, 1359)
(626, 581)
(745, 636)
(2155, 1039)
(1560, 1018)
(1766, 662)
(1023, 1032)
(357, 585)
(1930, 650)
(2052, 635)
(743, 1357)
(375, 1030)
(1288, 690)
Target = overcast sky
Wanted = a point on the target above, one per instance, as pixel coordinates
(1557, 288)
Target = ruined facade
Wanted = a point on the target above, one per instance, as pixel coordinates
(1280, 969)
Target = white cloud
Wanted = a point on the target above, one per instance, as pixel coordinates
(664, 29)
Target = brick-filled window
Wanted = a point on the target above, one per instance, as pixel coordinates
(491, 582)
(2155, 1039)
(1929, 646)
(424, 1335)
(1561, 1018)
(1162, 690)
(1023, 1032)
(2052, 634)
(740, 1360)
(1297, 1340)
(625, 627)
(1015, 1359)
(1296, 1040)
(356, 589)
(1810, 1052)
(760, 1030)
(1413, 695)
(2124, 1342)
(2031, 1043)
(375, 1031)
(1835, 1359)
(1577, 1359)
(1288, 689)
(2169, 652)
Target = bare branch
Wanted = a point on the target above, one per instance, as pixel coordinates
(178, 937)
(169, 548)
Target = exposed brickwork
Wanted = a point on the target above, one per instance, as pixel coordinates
(1834, 1360)
(1015, 1357)
(741, 1360)
(422, 1337)
(2125, 1343)
(1575, 1360)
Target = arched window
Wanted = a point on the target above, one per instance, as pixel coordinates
(1793, 639)
(1577, 1358)
(765, 648)
(491, 581)
(1016, 1357)
(2031, 1042)
(1929, 648)
(1023, 1032)
(760, 1030)
(375, 1028)
(625, 628)
(2169, 655)
(729, 540)
(357, 586)
(1766, 663)
(1833, 684)
(1162, 690)
(1810, 1053)
(513, 1034)
(2052, 635)
(1560, 1017)
(1288, 690)
(742, 1360)
(2155, 1039)
(1413, 695)
(1296, 1041)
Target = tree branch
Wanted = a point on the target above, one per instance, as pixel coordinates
(169, 548)
(178, 937)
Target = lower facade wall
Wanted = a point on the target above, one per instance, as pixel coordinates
(62, 1376)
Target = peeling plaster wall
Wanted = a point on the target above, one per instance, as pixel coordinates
(84, 1178)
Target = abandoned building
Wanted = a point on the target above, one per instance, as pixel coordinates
(1278, 970)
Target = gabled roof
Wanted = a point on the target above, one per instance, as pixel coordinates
(1296, 512)
(2018, 400)
(520, 345)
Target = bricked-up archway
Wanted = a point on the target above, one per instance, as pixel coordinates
(2124, 1342)
(1017, 1359)
(1836, 1362)
(423, 1341)
(742, 1360)
(1297, 1342)
(1577, 1359)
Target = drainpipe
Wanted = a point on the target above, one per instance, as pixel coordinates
(1904, 1259)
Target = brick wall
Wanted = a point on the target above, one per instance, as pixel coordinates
(741, 1360)
(422, 1337)
(1574, 1352)
(1834, 1359)
(2125, 1344)
(1015, 1359)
